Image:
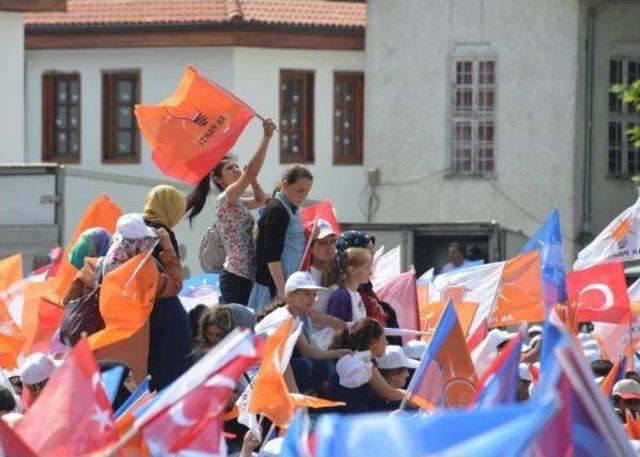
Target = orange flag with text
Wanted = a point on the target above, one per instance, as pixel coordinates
(103, 212)
(270, 395)
(126, 299)
(520, 298)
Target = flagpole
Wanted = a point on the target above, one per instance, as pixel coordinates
(308, 246)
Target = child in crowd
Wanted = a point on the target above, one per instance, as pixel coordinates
(367, 336)
(345, 303)
(310, 366)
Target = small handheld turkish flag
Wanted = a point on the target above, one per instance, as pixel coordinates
(600, 293)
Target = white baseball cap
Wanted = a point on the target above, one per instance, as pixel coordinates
(415, 349)
(300, 280)
(353, 371)
(132, 226)
(36, 368)
(626, 388)
(394, 357)
(324, 229)
(534, 329)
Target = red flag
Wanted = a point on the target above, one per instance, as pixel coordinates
(323, 210)
(12, 444)
(402, 295)
(601, 293)
(193, 129)
(195, 422)
(72, 416)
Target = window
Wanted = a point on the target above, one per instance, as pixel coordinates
(473, 114)
(120, 134)
(296, 116)
(624, 158)
(348, 118)
(61, 117)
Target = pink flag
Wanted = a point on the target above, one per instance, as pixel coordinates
(12, 444)
(73, 415)
(401, 293)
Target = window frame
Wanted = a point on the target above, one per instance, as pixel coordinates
(110, 117)
(475, 117)
(625, 117)
(306, 117)
(49, 86)
(357, 138)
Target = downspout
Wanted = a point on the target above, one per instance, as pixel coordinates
(586, 234)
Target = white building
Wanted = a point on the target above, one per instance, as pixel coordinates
(297, 62)
(497, 110)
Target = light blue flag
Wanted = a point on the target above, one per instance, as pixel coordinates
(111, 380)
(296, 440)
(504, 430)
(548, 239)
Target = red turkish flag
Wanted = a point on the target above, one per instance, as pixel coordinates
(73, 415)
(12, 444)
(601, 293)
(323, 210)
(195, 423)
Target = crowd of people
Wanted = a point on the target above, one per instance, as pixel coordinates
(343, 352)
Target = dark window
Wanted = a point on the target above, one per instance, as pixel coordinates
(120, 134)
(473, 111)
(61, 117)
(348, 118)
(296, 116)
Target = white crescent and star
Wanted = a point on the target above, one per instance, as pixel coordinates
(605, 291)
(177, 415)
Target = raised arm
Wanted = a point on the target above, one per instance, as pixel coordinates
(250, 173)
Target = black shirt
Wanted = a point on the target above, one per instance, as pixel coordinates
(272, 228)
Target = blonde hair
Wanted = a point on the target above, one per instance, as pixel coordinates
(354, 257)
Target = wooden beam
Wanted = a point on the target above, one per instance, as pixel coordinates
(36, 39)
(33, 5)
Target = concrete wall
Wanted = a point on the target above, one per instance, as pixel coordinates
(408, 71)
(617, 35)
(12, 104)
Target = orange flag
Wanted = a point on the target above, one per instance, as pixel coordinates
(194, 128)
(521, 298)
(430, 315)
(632, 426)
(11, 339)
(270, 395)
(10, 271)
(103, 212)
(41, 315)
(307, 401)
(126, 299)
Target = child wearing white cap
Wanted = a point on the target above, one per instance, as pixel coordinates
(394, 367)
(310, 366)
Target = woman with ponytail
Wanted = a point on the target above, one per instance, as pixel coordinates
(234, 222)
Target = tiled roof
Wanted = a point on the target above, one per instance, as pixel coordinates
(131, 13)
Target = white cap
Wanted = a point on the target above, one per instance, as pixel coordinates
(36, 368)
(132, 226)
(534, 329)
(300, 280)
(626, 388)
(415, 349)
(324, 229)
(525, 374)
(353, 371)
(394, 357)
(500, 336)
(592, 355)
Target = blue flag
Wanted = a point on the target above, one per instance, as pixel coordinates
(111, 380)
(548, 239)
(142, 389)
(501, 380)
(296, 440)
(504, 430)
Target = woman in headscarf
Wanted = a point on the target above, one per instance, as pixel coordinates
(92, 244)
(170, 332)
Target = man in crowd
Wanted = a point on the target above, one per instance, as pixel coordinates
(457, 252)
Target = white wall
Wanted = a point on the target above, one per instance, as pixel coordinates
(408, 67)
(12, 104)
(257, 80)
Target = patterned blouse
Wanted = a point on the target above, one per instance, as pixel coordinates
(235, 227)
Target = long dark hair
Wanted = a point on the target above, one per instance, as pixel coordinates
(198, 196)
(360, 336)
